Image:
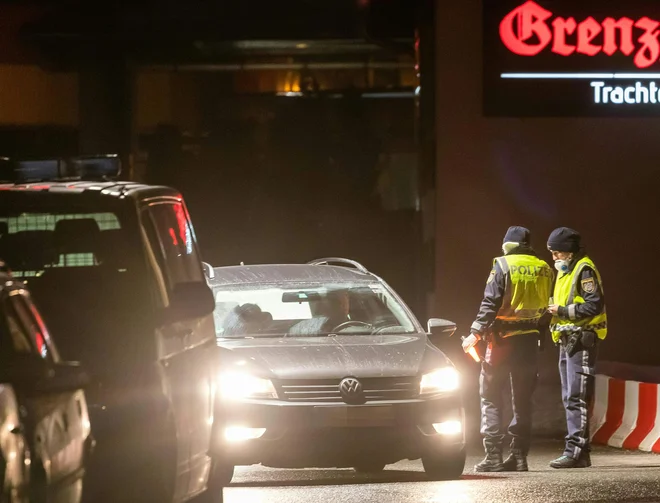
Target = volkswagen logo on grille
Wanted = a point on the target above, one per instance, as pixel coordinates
(351, 390)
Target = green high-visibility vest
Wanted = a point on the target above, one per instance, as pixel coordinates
(567, 293)
(528, 287)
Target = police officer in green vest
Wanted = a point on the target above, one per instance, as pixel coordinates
(510, 320)
(579, 322)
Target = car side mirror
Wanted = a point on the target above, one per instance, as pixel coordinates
(439, 331)
(64, 376)
(208, 270)
(36, 375)
(188, 301)
(440, 327)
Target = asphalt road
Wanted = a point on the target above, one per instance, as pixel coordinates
(617, 476)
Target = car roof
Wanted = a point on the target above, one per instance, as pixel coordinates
(264, 274)
(117, 189)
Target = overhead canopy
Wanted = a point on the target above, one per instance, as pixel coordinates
(185, 31)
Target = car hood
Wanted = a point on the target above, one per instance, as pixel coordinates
(333, 357)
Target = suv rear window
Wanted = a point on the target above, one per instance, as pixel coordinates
(33, 242)
(83, 261)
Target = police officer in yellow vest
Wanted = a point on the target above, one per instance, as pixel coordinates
(510, 321)
(579, 322)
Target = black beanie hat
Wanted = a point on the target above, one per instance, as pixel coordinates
(564, 239)
(517, 234)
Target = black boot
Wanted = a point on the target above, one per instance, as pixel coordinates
(584, 461)
(516, 462)
(492, 462)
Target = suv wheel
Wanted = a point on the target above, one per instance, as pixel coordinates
(444, 466)
(158, 483)
(38, 489)
(221, 475)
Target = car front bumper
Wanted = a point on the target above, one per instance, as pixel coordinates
(338, 435)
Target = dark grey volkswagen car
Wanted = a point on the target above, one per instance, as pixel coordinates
(325, 366)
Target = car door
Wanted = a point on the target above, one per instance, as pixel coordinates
(14, 451)
(186, 346)
(58, 416)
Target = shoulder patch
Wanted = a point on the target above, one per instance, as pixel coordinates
(588, 285)
(490, 276)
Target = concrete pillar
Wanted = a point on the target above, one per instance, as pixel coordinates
(106, 107)
(426, 148)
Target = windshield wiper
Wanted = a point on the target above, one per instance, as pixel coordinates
(333, 334)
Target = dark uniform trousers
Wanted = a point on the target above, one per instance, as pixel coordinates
(511, 361)
(577, 391)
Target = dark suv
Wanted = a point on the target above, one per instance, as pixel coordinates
(115, 269)
(324, 365)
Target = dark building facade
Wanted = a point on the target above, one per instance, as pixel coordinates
(599, 175)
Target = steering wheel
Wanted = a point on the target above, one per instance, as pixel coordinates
(351, 323)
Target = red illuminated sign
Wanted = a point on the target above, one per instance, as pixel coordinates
(570, 58)
(529, 29)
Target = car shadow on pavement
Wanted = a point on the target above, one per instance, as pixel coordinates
(337, 478)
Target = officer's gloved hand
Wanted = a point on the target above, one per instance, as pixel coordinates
(470, 341)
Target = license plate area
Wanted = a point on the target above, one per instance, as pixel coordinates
(372, 416)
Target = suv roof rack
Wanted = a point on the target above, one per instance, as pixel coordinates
(94, 168)
(339, 260)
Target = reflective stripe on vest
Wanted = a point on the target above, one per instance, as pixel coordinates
(565, 294)
(527, 290)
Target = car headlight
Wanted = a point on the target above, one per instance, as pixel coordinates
(239, 385)
(438, 381)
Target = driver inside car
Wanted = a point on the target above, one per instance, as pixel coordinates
(327, 313)
(335, 308)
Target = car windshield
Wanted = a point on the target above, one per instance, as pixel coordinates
(84, 267)
(304, 311)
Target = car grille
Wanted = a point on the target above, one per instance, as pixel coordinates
(327, 390)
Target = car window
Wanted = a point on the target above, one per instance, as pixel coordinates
(308, 310)
(82, 257)
(18, 335)
(30, 327)
(173, 239)
(35, 330)
(36, 241)
(40, 327)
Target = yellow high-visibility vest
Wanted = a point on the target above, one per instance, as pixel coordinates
(566, 293)
(527, 292)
